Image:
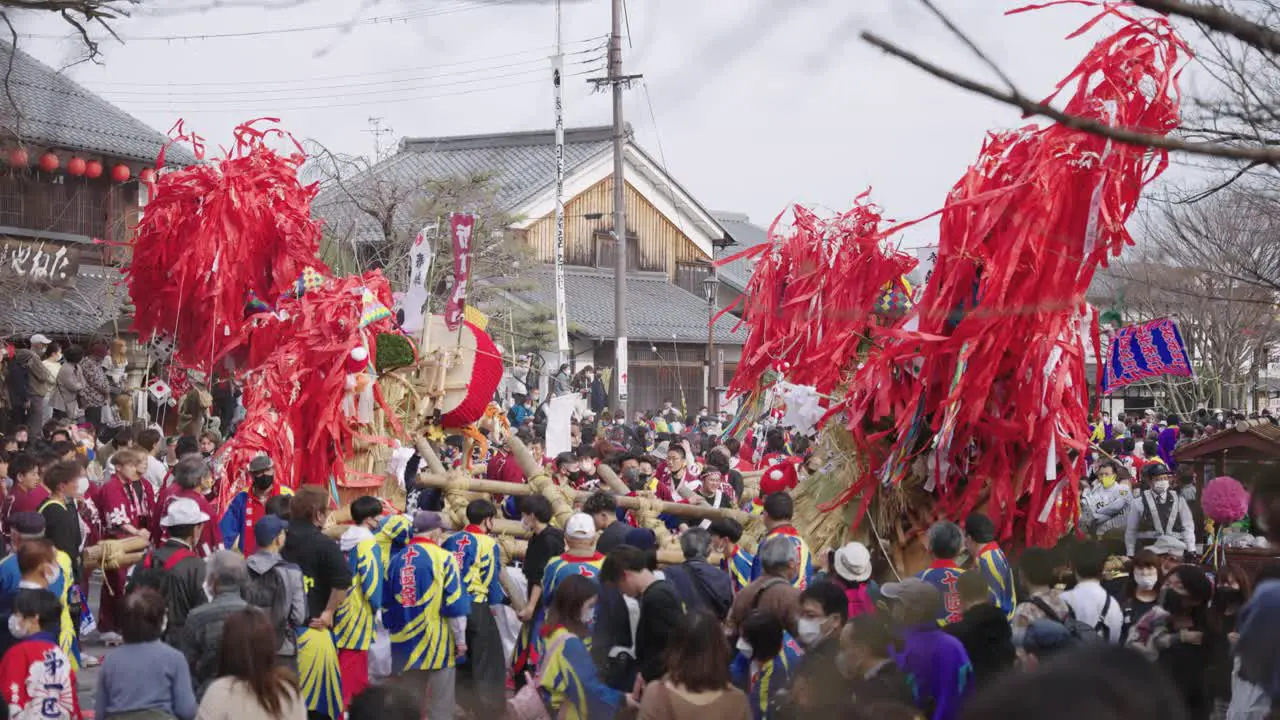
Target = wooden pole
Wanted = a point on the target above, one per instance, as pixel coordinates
(611, 479)
(498, 487)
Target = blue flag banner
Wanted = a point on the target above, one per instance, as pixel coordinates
(1137, 352)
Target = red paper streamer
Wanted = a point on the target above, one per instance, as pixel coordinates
(996, 366)
(213, 232)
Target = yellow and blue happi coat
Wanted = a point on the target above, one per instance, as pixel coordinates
(531, 644)
(567, 565)
(423, 589)
(319, 674)
(353, 622)
(10, 582)
(480, 564)
(804, 558)
(995, 568)
(570, 684)
(738, 564)
(769, 679)
(392, 536)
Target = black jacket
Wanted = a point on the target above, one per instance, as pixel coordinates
(987, 637)
(324, 568)
(702, 585)
(542, 547)
(62, 528)
(660, 613)
(182, 585)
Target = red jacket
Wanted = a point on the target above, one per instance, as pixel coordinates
(38, 682)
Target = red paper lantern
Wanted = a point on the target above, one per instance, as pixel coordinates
(75, 166)
(120, 173)
(147, 175)
(48, 162)
(18, 157)
(93, 169)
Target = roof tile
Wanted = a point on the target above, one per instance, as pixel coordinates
(657, 311)
(54, 110)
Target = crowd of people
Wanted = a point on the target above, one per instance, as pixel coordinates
(260, 610)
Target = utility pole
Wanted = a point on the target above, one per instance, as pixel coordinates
(618, 82)
(562, 322)
(377, 131)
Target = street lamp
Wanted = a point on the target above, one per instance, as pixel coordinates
(710, 284)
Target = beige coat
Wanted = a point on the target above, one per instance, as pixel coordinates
(228, 698)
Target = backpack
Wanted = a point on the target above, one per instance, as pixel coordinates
(150, 575)
(1079, 631)
(267, 591)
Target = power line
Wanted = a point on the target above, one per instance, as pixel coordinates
(242, 109)
(343, 25)
(226, 96)
(243, 83)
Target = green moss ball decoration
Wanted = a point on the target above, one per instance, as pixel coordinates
(394, 351)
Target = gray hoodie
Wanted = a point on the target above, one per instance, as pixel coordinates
(262, 562)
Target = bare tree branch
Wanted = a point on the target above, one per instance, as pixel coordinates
(1264, 155)
(79, 14)
(1219, 20)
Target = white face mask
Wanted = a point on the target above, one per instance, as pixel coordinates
(16, 628)
(588, 616)
(1160, 486)
(809, 630)
(1145, 579)
(82, 486)
(745, 648)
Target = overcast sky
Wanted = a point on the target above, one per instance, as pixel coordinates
(757, 103)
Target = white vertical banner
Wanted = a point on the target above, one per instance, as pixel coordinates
(415, 295)
(559, 418)
(562, 322)
(621, 361)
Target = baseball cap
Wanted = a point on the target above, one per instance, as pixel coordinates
(853, 562)
(266, 530)
(580, 527)
(260, 464)
(426, 521)
(27, 524)
(39, 339)
(910, 591)
(183, 511)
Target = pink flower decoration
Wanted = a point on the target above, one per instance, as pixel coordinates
(1225, 500)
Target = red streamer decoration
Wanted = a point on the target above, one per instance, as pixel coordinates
(994, 368)
(214, 232)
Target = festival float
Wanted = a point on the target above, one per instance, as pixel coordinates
(973, 398)
(225, 275)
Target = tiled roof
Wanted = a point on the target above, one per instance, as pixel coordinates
(657, 310)
(746, 236)
(55, 111)
(95, 301)
(518, 165)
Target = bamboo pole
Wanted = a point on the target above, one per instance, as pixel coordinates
(463, 483)
(113, 554)
(612, 480)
